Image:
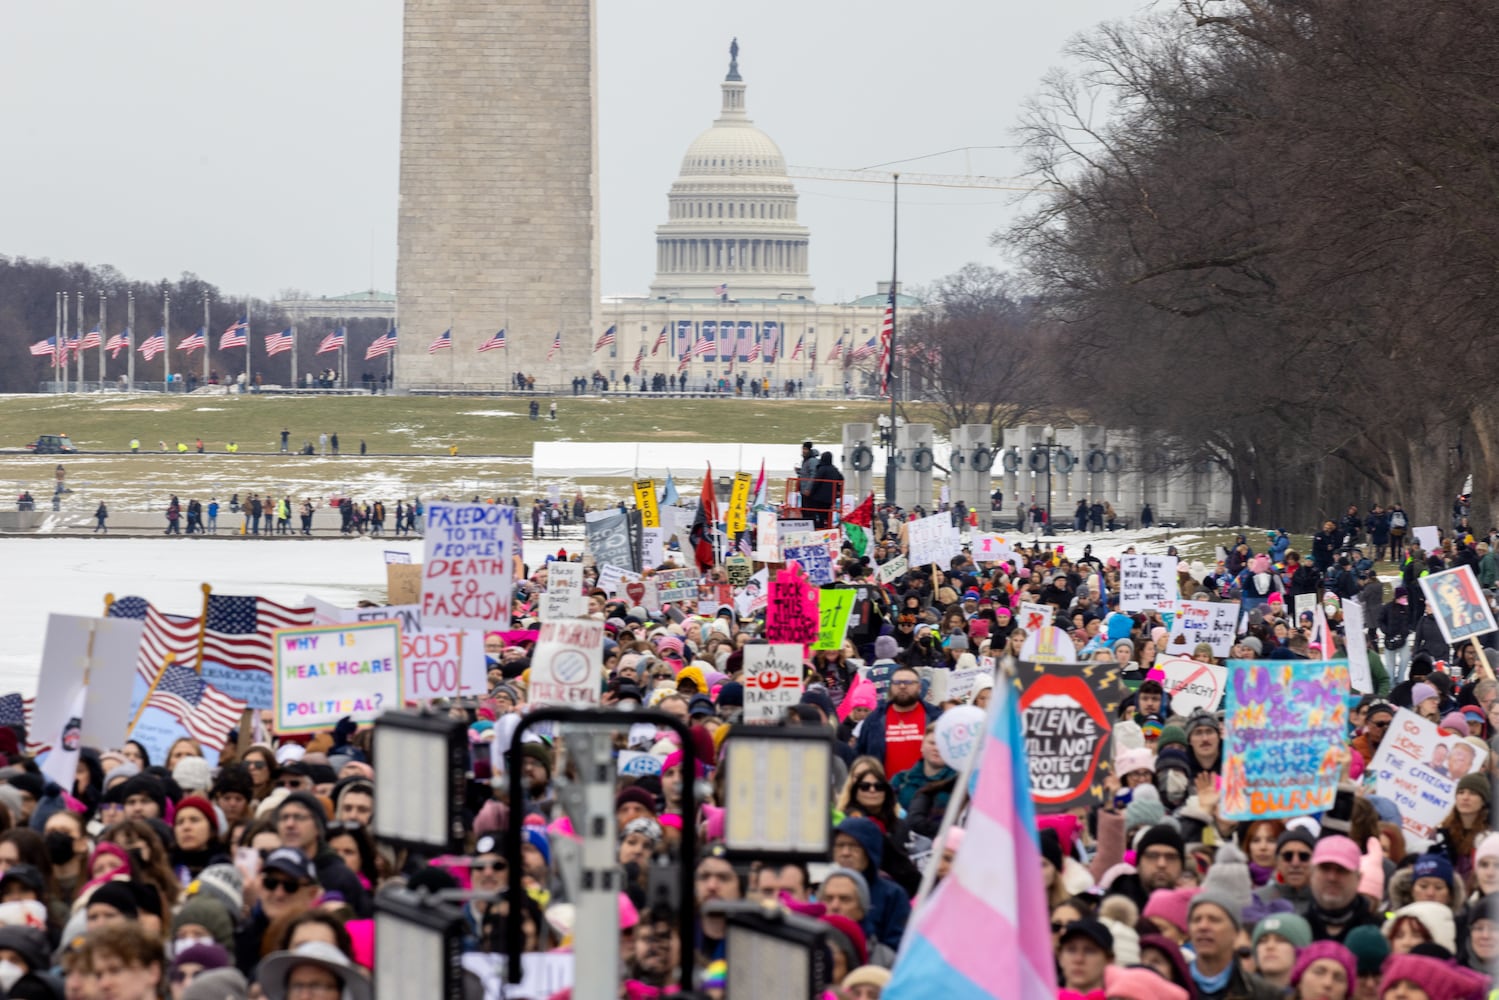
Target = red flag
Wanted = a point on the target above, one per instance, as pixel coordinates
(710, 498)
(862, 515)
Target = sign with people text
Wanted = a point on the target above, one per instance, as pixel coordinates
(1283, 740)
(467, 570)
(1418, 769)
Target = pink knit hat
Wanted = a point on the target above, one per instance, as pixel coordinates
(1325, 949)
(1171, 905)
(1140, 983)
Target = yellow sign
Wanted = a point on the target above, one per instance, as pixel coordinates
(645, 500)
(738, 518)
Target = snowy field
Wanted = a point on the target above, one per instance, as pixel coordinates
(72, 575)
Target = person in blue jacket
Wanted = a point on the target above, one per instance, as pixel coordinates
(858, 844)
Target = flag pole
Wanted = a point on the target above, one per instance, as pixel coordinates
(203, 627)
(294, 355)
(166, 340)
(130, 347)
(103, 335)
(166, 661)
(249, 374)
(62, 340)
(79, 340)
(56, 333)
(890, 469)
(959, 798)
(205, 337)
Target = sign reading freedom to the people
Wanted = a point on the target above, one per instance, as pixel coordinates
(326, 672)
(1286, 721)
(1067, 711)
(466, 575)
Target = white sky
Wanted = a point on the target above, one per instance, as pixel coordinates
(256, 143)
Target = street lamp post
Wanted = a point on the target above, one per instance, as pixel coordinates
(1050, 448)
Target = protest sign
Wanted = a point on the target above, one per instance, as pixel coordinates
(111, 676)
(767, 536)
(989, 547)
(652, 546)
(1067, 712)
(879, 676)
(403, 583)
(960, 730)
(394, 556)
(325, 672)
(1458, 604)
(1147, 583)
(676, 585)
(814, 561)
(608, 534)
(443, 663)
(564, 594)
(1418, 769)
(543, 975)
(58, 710)
(646, 503)
(835, 607)
(791, 613)
(772, 680)
(1190, 684)
(1282, 748)
(1049, 644)
(893, 569)
(739, 570)
(1203, 621)
(568, 663)
(612, 578)
(1428, 537)
(468, 567)
(960, 683)
(932, 539)
(736, 518)
(1305, 604)
(1359, 675)
(638, 764)
(791, 525)
(1034, 617)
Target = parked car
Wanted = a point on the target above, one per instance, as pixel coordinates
(52, 444)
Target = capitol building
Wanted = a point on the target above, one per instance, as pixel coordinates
(732, 293)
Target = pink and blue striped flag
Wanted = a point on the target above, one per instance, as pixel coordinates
(994, 892)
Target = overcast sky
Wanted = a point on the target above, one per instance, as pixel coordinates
(256, 143)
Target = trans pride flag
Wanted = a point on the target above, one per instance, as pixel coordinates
(985, 931)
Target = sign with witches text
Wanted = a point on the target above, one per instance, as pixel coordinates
(1067, 712)
(1282, 751)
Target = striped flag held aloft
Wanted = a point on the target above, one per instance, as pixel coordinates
(117, 343)
(92, 339)
(606, 339)
(208, 714)
(332, 342)
(443, 342)
(237, 633)
(163, 634)
(660, 342)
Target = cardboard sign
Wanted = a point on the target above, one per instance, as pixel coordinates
(739, 569)
(564, 594)
(1360, 677)
(394, 556)
(736, 518)
(676, 585)
(1419, 768)
(835, 607)
(609, 541)
(814, 561)
(325, 672)
(767, 537)
(111, 677)
(543, 975)
(1049, 645)
(646, 503)
(1286, 721)
(568, 663)
(989, 547)
(1428, 537)
(1147, 583)
(612, 578)
(893, 569)
(1191, 685)
(467, 575)
(960, 683)
(1067, 712)
(792, 610)
(932, 539)
(444, 663)
(772, 680)
(1034, 617)
(1203, 621)
(792, 525)
(403, 583)
(58, 711)
(1458, 604)
(1304, 604)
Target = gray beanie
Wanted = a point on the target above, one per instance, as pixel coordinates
(218, 984)
(861, 885)
(1227, 883)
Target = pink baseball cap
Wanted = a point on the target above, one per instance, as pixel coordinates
(1337, 850)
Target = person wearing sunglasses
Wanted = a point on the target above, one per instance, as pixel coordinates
(288, 884)
(302, 824)
(1293, 870)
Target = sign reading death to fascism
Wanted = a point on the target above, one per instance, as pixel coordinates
(467, 572)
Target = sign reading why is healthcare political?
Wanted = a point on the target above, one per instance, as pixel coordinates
(1418, 769)
(772, 680)
(1283, 748)
(467, 575)
(326, 672)
(1067, 712)
(568, 663)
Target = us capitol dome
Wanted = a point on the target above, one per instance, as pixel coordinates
(731, 216)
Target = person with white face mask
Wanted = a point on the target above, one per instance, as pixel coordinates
(23, 952)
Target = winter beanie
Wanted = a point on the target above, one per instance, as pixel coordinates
(1229, 878)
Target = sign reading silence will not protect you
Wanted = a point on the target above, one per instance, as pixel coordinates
(326, 672)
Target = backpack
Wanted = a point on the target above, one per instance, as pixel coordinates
(1397, 519)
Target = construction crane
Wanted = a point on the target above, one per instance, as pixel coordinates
(919, 179)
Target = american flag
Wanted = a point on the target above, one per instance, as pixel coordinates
(208, 714)
(119, 342)
(660, 342)
(606, 339)
(15, 711)
(639, 359)
(865, 350)
(796, 351)
(239, 630)
(71, 345)
(381, 345)
(278, 343)
(443, 342)
(154, 344)
(556, 346)
(754, 353)
(703, 347)
(163, 634)
(192, 342)
(234, 336)
(332, 342)
(721, 290)
(837, 350)
(92, 339)
(887, 336)
(495, 343)
(44, 348)
(682, 363)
